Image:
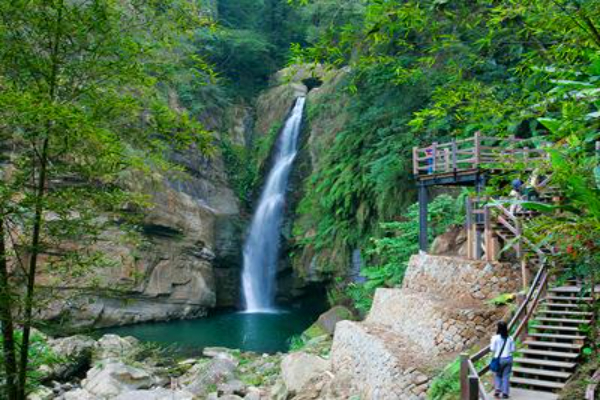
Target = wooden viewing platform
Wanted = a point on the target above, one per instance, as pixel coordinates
(467, 162)
(461, 161)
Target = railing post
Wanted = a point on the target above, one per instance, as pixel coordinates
(464, 376)
(415, 161)
(477, 148)
(434, 155)
(473, 387)
(524, 274)
(519, 242)
(447, 159)
(455, 155)
(490, 253)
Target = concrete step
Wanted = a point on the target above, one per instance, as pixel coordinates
(556, 336)
(564, 320)
(556, 328)
(542, 372)
(569, 289)
(569, 299)
(568, 305)
(555, 345)
(537, 383)
(546, 353)
(524, 394)
(545, 363)
(567, 313)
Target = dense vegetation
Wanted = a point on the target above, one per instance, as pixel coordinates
(86, 99)
(424, 71)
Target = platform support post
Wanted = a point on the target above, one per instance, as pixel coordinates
(423, 209)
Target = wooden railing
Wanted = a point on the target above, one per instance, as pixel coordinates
(473, 153)
(590, 391)
(471, 379)
(486, 217)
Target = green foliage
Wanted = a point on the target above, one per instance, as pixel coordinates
(297, 343)
(390, 253)
(364, 176)
(40, 354)
(446, 386)
(502, 300)
(81, 109)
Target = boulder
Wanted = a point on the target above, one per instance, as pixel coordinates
(77, 353)
(232, 387)
(298, 369)
(279, 391)
(80, 394)
(114, 346)
(155, 394)
(253, 393)
(114, 377)
(326, 322)
(451, 243)
(208, 373)
(43, 393)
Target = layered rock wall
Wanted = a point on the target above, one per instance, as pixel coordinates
(410, 333)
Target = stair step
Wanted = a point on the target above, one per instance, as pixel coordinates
(556, 345)
(568, 289)
(542, 372)
(545, 353)
(573, 313)
(563, 305)
(557, 336)
(556, 328)
(564, 320)
(569, 298)
(545, 363)
(537, 382)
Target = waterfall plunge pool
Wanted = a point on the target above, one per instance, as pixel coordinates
(257, 332)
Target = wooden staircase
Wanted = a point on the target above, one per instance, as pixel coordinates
(555, 339)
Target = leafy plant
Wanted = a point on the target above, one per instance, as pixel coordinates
(390, 253)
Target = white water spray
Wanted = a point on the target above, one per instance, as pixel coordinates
(261, 249)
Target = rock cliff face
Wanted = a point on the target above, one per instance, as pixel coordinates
(188, 259)
(410, 332)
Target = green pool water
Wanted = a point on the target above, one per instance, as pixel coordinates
(261, 332)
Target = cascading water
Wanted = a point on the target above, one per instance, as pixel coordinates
(261, 249)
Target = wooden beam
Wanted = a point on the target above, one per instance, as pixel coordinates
(473, 387)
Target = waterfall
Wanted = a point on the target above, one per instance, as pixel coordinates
(261, 250)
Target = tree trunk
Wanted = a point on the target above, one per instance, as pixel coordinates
(33, 261)
(8, 335)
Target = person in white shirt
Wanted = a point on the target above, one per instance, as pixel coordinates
(502, 346)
